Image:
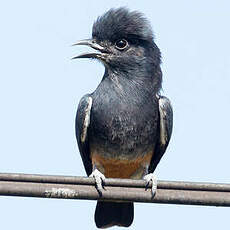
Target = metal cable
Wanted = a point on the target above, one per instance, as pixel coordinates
(71, 187)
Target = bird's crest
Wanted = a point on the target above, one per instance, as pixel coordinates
(122, 23)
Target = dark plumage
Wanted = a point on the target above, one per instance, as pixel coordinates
(123, 128)
(121, 23)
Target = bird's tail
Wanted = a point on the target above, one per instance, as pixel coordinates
(108, 214)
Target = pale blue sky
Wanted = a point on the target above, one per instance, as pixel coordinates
(40, 88)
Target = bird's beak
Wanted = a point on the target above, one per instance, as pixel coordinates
(93, 44)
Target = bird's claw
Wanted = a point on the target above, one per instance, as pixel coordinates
(151, 178)
(99, 179)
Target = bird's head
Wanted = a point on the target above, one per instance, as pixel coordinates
(124, 43)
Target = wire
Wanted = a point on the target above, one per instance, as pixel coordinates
(70, 187)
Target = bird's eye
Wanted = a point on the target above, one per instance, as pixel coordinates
(121, 44)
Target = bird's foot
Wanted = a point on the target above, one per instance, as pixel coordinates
(99, 179)
(151, 178)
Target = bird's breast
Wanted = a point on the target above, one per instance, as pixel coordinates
(124, 126)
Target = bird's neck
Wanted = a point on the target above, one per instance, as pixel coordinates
(136, 77)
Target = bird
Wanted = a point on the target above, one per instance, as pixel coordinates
(124, 127)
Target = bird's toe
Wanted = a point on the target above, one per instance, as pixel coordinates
(151, 178)
(99, 179)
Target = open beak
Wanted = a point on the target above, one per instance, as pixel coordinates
(93, 44)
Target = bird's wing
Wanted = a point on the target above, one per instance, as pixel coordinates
(165, 127)
(82, 124)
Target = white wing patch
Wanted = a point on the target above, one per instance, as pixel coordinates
(163, 134)
(86, 119)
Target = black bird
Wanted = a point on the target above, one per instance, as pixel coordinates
(123, 128)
